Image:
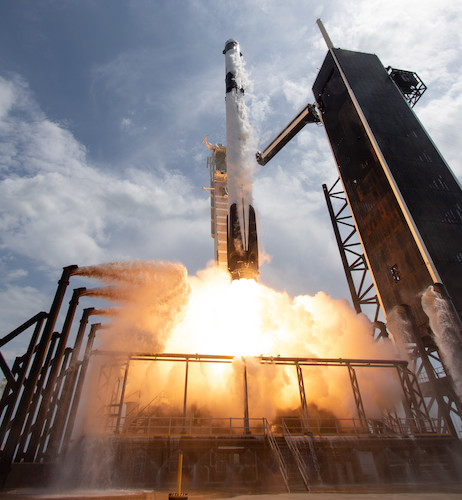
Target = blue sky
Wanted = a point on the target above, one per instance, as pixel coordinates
(104, 105)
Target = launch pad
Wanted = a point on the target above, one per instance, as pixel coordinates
(138, 445)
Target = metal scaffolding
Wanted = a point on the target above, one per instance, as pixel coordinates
(359, 279)
(414, 404)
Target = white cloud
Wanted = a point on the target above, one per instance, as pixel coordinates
(441, 117)
(126, 123)
(422, 36)
(15, 274)
(7, 97)
(58, 209)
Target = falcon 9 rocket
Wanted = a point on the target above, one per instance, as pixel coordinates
(241, 225)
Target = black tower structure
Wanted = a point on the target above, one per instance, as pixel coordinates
(405, 202)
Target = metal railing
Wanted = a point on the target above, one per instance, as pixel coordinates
(297, 456)
(277, 454)
(355, 426)
(176, 426)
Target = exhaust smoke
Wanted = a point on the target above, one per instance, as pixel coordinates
(165, 310)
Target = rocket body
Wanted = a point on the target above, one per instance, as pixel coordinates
(242, 229)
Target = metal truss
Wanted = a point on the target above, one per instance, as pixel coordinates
(362, 289)
(43, 387)
(413, 399)
(435, 383)
(415, 408)
(301, 388)
(357, 396)
(426, 364)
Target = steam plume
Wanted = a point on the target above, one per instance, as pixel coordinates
(447, 336)
(166, 311)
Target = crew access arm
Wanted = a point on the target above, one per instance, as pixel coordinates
(307, 115)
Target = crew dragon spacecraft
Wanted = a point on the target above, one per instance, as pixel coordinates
(242, 246)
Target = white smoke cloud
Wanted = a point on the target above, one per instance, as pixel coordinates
(160, 309)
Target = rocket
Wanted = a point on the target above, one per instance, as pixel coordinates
(242, 246)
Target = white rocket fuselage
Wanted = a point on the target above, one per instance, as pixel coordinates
(242, 235)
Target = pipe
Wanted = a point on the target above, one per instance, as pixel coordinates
(9, 399)
(52, 409)
(68, 389)
(78, 389)
(32, 448)
(246, 402)
(185, 395)
(180, 471)
(32, 384)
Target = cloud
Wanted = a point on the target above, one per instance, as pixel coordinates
(7, 97)
(441, 117)
(57, 208)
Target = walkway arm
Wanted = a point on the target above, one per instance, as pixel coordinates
(307, 115)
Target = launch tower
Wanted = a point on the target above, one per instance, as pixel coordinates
(406, 208)
(405, 201)
(218, 189)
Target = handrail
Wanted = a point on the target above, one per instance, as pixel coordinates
(174, 426)
(354, 426)
(277, 453)
(150, 426)
(296, 454)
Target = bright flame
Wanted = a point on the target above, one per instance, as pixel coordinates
(222, 318)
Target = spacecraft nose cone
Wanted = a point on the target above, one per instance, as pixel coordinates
(230, 44)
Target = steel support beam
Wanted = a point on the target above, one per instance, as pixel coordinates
(78, 389)
(12, 392)
(122, 397)
(185, 399)
(445, 408)
(301, 388)
(246, 402)
(32, 384)
(357, 396)
(55, 365)
(63, 405)
(415, 407)
(352, 256)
